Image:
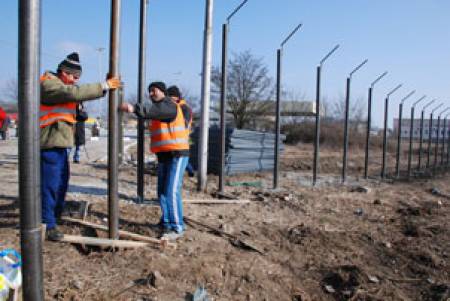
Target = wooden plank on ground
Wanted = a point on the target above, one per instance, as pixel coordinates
(103, 242)
(123, 233)
(216, 202)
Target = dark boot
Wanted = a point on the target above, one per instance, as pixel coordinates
(54, 234)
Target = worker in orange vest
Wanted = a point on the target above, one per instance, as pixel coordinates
(175, 94)
(169, 133)
(59, 98)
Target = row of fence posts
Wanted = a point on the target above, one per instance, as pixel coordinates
(29, 151)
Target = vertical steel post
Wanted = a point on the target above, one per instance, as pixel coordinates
(411, 129)
(399, 139)
(113, 123)
(443, 141)
(347, 108)
(436, 143)
(29, 15)
(383, 163)
(317, 130)
(223, 97)
(430, 136)
(206, 87)
(419, 163)
(120, 120)
(141, 97)
(386, 108)
(369, 122)
(422, 115)
(448, 148)
(317, 136)
(277, 122)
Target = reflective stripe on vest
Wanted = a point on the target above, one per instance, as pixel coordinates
(169, 136)
(172, 141)
(59, 112)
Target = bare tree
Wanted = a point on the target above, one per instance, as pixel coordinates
(248, 83)
(357, 110)
(10, 91)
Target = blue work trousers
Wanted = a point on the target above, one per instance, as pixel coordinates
(54, 182)
(170, 182)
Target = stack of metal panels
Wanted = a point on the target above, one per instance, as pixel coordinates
(245, 151)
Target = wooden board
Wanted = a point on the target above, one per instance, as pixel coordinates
(124, 234)
(216, 202)
(103, 242)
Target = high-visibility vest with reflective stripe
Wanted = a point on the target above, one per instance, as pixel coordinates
(169, 136)
(59, 112)
(183, 102)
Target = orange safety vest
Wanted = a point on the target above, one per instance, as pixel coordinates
(169, 136)
(183, 102)
(59, 112)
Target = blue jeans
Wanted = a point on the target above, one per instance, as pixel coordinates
(170, 182)
(76, 154)
(190, 169)
(54, 183)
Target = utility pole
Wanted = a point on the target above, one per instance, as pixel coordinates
(29, 149)
(206, 86)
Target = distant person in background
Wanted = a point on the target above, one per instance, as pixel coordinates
(4, 124)
(95, 131)
(174, 93)
(80, 135)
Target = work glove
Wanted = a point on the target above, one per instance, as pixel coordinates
(112, 83)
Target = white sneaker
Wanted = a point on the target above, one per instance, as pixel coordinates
(172, 235)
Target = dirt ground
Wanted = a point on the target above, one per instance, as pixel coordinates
(365, 240)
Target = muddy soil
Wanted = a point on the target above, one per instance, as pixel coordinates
(366, 240)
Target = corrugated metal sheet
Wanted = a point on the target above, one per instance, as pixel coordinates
(246, 151)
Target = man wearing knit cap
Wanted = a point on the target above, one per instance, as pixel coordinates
(174, 93)
(170, 142)
(59, 99)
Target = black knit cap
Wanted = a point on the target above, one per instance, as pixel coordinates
(159, 85)
(173, 91)
(71, 64)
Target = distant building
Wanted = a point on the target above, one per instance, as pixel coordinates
(406, 124)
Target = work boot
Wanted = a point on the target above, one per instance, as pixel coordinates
(54, 234)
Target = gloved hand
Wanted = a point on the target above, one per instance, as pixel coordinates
(112, 83)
